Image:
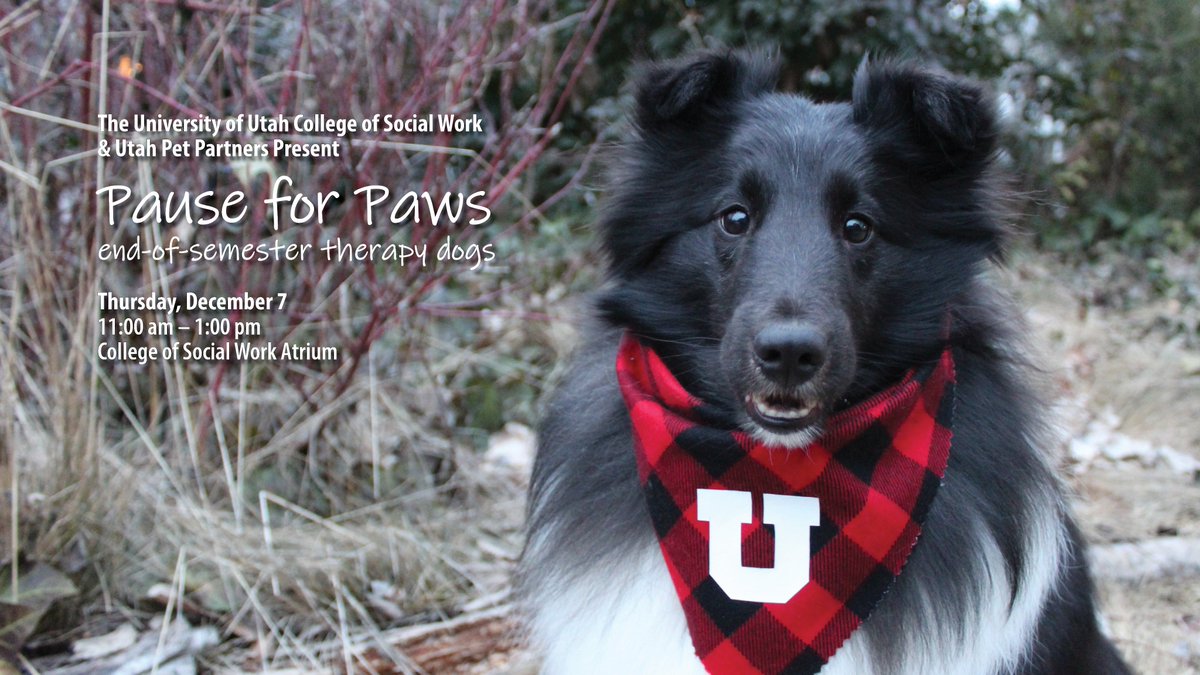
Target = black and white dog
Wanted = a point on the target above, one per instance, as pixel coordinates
(787, 260)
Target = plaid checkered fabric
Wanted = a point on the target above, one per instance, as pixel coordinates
(875, 471)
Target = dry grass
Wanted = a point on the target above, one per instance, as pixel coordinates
(303, 508)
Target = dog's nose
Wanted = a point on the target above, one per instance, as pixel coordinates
(789, 353)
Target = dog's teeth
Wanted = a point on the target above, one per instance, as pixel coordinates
(785, 413)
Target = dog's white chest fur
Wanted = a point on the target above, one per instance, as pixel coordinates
(628, 620)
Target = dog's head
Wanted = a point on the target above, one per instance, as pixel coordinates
(787, 257)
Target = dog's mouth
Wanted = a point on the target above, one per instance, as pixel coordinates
(782, 414)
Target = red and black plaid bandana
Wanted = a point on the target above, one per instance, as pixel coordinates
(779, 555)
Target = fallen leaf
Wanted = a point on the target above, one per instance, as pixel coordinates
(103, 645)
(167, 654)
(13, 620)
(38, 586)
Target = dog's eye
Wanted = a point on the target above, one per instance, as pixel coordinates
(856, 230)
(734, 221)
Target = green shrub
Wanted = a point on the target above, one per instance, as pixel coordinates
(820, 42)
(1119, 79)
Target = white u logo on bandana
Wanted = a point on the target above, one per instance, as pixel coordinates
(726, 511)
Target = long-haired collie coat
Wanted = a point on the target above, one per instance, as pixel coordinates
(798, 436)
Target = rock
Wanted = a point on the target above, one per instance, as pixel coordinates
(1179, 462)
(511, 449)
(1102, 446)
(1167, 557)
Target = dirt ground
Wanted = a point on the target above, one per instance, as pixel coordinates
(1126, 370)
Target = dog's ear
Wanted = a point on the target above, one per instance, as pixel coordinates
(705, 83)
(926, 120)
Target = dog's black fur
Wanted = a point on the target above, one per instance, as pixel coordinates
(913, 158)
